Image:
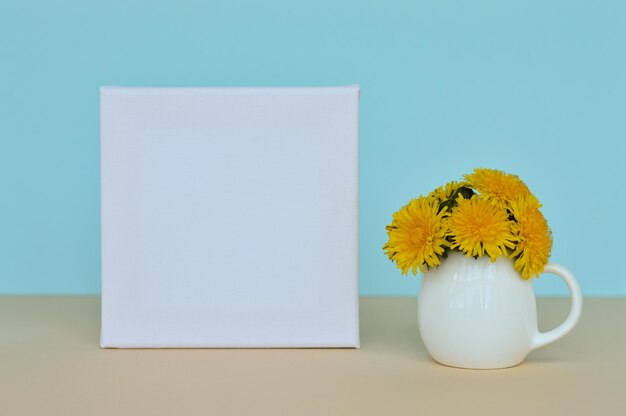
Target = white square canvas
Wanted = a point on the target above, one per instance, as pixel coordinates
(229, 217)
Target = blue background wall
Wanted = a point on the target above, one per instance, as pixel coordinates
(536, 88)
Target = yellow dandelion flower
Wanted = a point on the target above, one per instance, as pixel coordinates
(416, 235)
(499, 188)
(478, 227)
(446, 192)
(535, 238)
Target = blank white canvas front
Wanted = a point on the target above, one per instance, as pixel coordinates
(229, 217)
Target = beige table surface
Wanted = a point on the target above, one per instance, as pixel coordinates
(51, 364)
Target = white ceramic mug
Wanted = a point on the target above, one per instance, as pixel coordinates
(473, 313)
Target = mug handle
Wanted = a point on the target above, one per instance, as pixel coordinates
(543, 338)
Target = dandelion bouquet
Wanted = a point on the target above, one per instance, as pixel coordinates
(489, 212)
